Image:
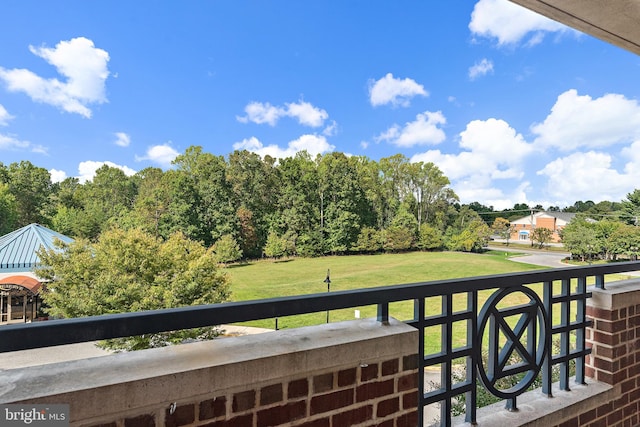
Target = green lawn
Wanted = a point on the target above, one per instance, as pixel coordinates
(297, 276)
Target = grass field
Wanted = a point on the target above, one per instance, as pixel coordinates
(297, 276)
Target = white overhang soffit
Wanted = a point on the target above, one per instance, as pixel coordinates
(614, 21)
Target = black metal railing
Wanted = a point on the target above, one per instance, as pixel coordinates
(508, 322)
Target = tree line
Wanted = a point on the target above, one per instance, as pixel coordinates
(246, 206)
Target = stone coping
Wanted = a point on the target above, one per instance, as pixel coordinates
(120, 380)
(623, 293)
(537, 410)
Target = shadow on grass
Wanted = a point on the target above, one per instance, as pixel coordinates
(239, 265)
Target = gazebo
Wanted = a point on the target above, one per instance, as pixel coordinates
(19, 286)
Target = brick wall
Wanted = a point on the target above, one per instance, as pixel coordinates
(358, 373)
(379, 394)
(540, 222)
(615, 355)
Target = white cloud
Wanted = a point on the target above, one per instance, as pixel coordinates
(85, 70)
(260, 113)
(87, 169)
(495, 141)
(510, 23)
(313, 144)
(331, 129)
(122, 139)
(307, 114)
(582, 122)
(161, 154)
(589, 176)
(304, 112)
(632, 152)
(454, 166)
(481, 68)
(424, 130)
(492, 150)
(389, 90)
(9, 142)
(5, 117)
(39, 149)
(58, 176)
(472, 190)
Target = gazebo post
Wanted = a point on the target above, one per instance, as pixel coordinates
(1, 306)
(24, 308)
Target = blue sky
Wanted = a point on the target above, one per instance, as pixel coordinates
(512, 107)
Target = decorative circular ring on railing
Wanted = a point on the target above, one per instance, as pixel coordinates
(505, 341)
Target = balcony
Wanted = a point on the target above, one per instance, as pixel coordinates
(368, 372)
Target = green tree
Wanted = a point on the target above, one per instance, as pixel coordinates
(631, 208)
(579, 237)
(625, 240)
(542, 235)
(130, 270)
(227, 249)
(369, 241)
(8, 210)
(67, 207)
(370, 182)
(254, 184)
(605, 208)
(402, 233)
(275, 246)
(518, 211)
(30, 186)
(183, 207)
(580, 206)
(66, 221)
(105, 199)
(429, 238)
(473, 237)
(397, 239)
(343, 202)
(151, 205)
(487, 213)
(299, 204)
(4, 174)
(502, 228)
(208, 192)
(605, 232)
(394, 184)
(430, 188)
(250, 240)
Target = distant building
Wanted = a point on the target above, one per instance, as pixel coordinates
(19, 286)
(555, 221)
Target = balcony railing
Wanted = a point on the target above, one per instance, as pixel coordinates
(510, 322)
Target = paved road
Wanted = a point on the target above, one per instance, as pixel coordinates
(542, 258)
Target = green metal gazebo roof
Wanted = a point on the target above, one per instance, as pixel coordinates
(18, 249)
